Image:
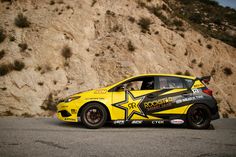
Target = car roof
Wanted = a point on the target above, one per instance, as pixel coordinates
(146, 75)
(172, 75)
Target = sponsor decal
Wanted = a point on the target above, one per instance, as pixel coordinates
(131, 105)
(157, 104)
(177, 121)
(189, 99)
(70, 119)
(137, 122)
(100, 91)
(195, 90)
(158, 122)
(120, 122)
(198, 85)
(94, 99)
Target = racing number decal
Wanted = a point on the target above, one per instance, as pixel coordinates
(131, 105)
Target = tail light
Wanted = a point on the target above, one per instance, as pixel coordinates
(207, 91)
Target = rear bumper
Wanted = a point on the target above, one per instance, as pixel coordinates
(215, 116)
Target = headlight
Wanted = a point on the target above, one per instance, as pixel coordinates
(72, 98)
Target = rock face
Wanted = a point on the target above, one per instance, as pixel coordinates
(73, 46)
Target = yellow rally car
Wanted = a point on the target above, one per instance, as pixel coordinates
(150, 98)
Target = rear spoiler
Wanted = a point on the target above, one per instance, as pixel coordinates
(205, 79)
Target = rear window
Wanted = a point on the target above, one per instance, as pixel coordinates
(171, 82)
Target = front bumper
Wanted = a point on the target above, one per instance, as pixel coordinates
(66, 112)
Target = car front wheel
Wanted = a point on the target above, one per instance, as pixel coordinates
(94, 115)
(199, 117)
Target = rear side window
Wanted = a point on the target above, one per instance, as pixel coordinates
(171, 82)
(188, 82)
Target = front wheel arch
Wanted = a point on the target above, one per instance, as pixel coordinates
(81, 109)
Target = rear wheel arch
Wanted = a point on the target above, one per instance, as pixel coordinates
(199, 103)
(83, 106)
(194, 122)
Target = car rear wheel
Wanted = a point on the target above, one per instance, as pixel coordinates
(199, 117)
(94, 115)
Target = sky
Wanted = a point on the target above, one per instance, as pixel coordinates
(230, 3)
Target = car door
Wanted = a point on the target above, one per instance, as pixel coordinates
(172, 98)
(128, 98)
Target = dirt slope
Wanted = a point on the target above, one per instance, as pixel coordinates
(74, 46)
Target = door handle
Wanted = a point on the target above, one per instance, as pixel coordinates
(151, 95)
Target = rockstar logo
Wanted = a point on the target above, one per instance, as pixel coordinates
(131, 105)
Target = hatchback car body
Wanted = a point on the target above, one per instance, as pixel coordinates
(149, 98)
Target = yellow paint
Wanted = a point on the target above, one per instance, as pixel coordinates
(198, 84)
(108, 98)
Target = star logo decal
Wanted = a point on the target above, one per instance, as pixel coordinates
(131, 105)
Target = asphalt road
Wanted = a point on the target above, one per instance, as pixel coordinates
(50, 137)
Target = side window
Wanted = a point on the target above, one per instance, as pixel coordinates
(171, 82)
(188, 82)
(143, 83)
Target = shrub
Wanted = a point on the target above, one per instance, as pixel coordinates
(144, 23)
(10, 1)
(27, 115)
(55, 82)
(227, 71)
(200, 64)
(213, 71)
(131, 46)
(194, 61)
(178, 23)
(18, 65)
(12, 38)
(131, 19)
(93, 3)
(52, 2)
(2, 35)
(179, 73)
(141, 4)
(187, 73)
(196, 18)
(21, 21)
(23, 46)
(2, 54)
(111, 13)
(156, 10)
(210, 2)
(49, 103)
(209, 46)
(5, 69)
(40, 83)
(66, 52)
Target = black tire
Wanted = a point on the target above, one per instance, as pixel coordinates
(94, 116)
(199, 117)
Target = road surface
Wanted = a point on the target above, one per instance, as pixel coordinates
(49, 137)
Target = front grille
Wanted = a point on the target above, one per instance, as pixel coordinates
(65, 113)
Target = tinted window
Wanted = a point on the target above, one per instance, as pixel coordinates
(144, 83)
(170, 82)
(188, 82)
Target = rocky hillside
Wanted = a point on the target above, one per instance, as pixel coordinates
(50, 49)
